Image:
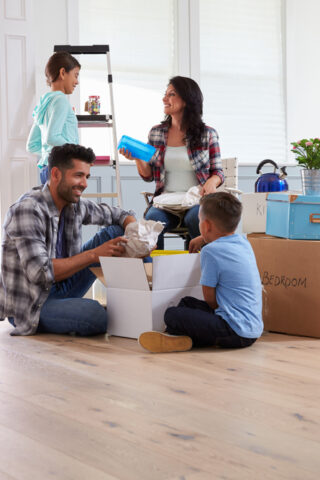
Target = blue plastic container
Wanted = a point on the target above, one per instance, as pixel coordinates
(138, 149)
(293, 216)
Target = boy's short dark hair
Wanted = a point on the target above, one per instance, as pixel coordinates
(222, 208)
(62, 157)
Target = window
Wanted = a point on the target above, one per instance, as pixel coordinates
(239, 43)
(141, 39)
(241, 77)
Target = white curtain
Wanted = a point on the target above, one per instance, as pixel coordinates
(242, 77)
(142, 44)
(241, 69)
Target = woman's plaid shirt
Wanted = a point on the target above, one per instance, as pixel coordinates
(30, 234)
(205, 160)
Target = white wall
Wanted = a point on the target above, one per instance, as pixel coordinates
(51, 28)
(55, 23)
(28, 31)
(303, 69)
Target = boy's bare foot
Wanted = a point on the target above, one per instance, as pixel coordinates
(157, 342)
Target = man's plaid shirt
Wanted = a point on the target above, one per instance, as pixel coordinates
(29, 244)
(205, 160)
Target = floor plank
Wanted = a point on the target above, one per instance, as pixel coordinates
(103, 408)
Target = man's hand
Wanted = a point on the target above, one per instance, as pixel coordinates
(65, 267)
(111, 248)
(196, 244)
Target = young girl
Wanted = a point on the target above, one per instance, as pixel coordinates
(55, 123)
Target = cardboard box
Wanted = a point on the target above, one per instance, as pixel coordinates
(254, 212)
(133, 304)
(290, 279)
(293, 216)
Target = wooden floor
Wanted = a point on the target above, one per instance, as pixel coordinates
(93, 409)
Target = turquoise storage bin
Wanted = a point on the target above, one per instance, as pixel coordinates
(138, 149)
(293, 216)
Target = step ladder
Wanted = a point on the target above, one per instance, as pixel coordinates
(107, 121)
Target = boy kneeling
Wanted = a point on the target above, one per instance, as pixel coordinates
(231, 315)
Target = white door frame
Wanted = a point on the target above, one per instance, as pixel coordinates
(17, 100)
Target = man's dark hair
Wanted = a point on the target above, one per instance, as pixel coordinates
(62, 157)
(223, 209)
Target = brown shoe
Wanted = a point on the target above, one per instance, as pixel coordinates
(157, 342)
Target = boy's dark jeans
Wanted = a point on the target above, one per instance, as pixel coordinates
(196, 319)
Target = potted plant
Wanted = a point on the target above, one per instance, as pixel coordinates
(307, 153)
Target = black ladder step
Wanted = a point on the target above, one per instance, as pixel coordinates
(82, 49)
(94, 118)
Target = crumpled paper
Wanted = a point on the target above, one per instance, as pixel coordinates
(142, 237)
(178, 200)
(192, 197)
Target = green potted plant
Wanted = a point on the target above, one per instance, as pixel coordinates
(307, 153)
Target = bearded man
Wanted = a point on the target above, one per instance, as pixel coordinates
(45, 270)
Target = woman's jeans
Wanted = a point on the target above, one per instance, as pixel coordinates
(194, 318)
(190, 221)
(65, 311)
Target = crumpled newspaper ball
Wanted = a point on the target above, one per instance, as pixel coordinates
(142, 237)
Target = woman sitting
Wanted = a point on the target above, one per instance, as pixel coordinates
(187, 154)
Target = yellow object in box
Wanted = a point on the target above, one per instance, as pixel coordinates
(156, 253)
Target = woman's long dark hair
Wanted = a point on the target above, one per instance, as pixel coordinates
(192, 122)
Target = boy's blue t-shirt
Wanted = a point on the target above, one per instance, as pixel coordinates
(228, 264)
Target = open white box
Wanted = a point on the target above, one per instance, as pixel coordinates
(132, 306)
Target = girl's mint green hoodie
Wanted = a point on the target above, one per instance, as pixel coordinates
(55, 123)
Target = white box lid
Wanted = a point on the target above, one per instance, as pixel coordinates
(127, 273)
(176, 271)
(168, 271)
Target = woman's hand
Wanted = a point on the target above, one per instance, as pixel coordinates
(127, 154)
(211, 185)
(143, 168)
(196, 244)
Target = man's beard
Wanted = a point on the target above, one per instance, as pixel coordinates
(66, 192)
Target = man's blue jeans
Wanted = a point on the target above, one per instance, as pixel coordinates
(65, 311)
(190, 221)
